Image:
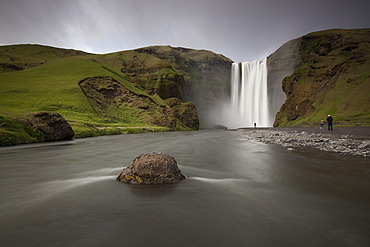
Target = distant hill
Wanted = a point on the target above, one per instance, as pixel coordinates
(328, 72)
(146, 89)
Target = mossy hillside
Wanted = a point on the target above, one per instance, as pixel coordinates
(53, 85)
(144, 71)
(50, 86)
(184, 113)
(115, 103)
(331, 77)
(39, 78)
(162, 69)
(19, 57)
(16, 132)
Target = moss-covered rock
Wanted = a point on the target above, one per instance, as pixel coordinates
(17, 132)
(152, 168)
(169, 84)
(185, 113)
(116, 103)
(53, 126)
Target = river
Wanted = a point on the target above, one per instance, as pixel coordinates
(238, 193)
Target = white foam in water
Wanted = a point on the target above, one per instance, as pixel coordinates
(46, 190)
(58, 186)
(216, 180)
(104, 171)
(85, 178)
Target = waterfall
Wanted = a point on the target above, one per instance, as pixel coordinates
(249, 101)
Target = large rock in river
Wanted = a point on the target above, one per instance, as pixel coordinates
(152, 168)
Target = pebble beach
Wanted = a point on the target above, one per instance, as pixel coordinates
(353, 141)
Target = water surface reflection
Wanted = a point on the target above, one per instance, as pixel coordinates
(238, 193)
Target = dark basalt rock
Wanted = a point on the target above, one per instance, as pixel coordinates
(53, 126)
(220, 127)
(152, 168)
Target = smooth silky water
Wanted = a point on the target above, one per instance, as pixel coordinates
(253, 101)
(238, 193)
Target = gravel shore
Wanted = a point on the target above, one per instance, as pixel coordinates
(344, 140)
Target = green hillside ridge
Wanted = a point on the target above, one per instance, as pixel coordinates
(199, 76)
(35, 78)
(331, 76)
(157, 88)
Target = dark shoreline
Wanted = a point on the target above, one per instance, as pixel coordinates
(353, 141)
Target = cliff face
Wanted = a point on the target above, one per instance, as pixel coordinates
(330, 75)
(280, 64)
(190, 75)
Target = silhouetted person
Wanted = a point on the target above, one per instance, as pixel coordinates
(255, 125)
(330, 122)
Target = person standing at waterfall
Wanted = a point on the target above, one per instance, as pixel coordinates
(322, 124)
(329, 119)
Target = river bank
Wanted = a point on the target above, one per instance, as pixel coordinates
(353, 141)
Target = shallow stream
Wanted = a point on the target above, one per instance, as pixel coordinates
(238, 193)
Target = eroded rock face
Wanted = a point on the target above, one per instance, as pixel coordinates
(330, 72)
(199, 76)
(152, 168)
(116, 103)
(53, 126)
(186, 112)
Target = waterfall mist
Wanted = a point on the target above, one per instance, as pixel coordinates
(249, 102)
(255, 91)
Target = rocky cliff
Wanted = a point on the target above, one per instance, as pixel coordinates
(198, 76)
(325, 72)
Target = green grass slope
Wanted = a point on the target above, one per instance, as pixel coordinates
(36, 78)
(332, 76)
(140, 90)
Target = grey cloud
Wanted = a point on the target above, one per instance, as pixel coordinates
(240, 29)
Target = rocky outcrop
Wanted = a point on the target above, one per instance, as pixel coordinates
(280, 64)
(219, 127)
(152, 168)
(53, 126)
(116, 103)
(209, 82)
(199, 76)
(186, 113)
(331, 76)
(17, 132)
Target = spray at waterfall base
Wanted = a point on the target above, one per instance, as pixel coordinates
(250, 100)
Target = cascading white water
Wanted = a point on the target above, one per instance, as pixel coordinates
(249, 101)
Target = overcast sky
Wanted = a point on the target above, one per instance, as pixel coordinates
(242, 30)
